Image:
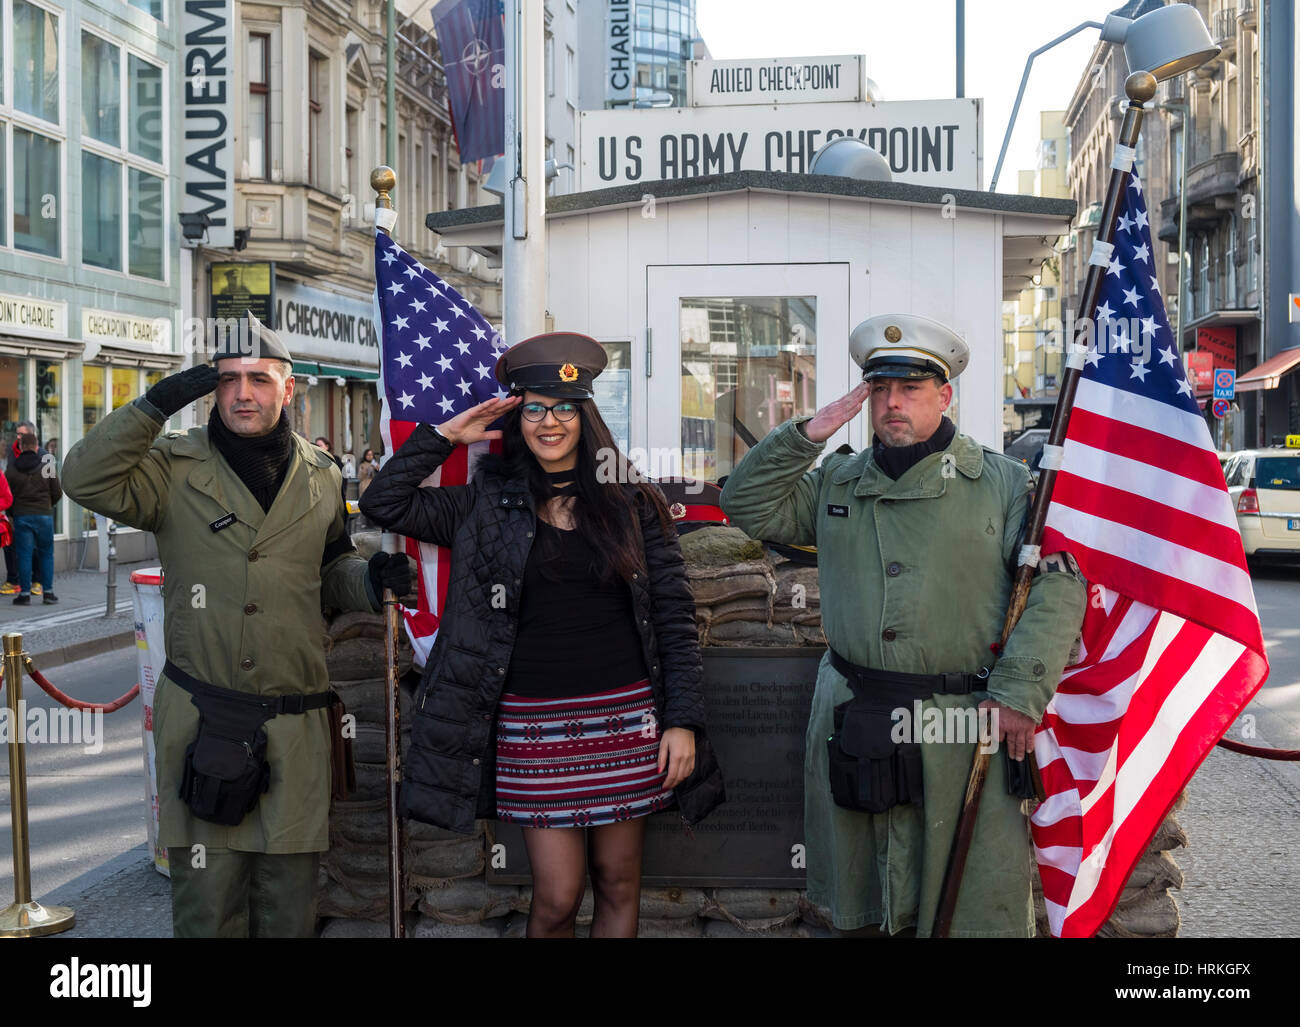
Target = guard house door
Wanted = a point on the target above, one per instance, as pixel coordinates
(734, 351)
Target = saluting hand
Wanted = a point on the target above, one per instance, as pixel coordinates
(833, 416)
(471, 425)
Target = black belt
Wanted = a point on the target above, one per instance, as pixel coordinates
(272, 704)
(894, 684)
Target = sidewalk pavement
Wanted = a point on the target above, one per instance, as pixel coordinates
(75, 627)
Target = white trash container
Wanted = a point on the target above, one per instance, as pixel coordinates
(146, 587)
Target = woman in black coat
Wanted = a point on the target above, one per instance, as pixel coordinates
(564, 691)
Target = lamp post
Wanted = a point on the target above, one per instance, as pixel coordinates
(1180, 107)
(1157, 46)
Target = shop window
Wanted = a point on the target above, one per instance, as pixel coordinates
(13, 397)
(49, 419)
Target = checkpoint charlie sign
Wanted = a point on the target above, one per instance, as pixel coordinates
(775, 80)
(926, 142)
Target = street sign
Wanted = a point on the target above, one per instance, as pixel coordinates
(1225, 383)
(1220, 408)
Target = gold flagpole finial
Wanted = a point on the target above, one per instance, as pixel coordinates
(383, 180)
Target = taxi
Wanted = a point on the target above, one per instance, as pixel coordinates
(1264, 485)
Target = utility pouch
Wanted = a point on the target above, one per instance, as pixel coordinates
(1019, 776)
(226, 770)
(869, 771)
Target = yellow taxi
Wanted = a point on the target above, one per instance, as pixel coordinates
(1265, 488)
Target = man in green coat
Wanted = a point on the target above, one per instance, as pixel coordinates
(918, 539)
(250, 530)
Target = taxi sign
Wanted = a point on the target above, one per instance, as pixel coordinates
(1220, 408)
(1225, 381)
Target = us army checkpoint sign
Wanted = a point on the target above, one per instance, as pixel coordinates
(926, 142)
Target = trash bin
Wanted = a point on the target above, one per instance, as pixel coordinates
(146, 588)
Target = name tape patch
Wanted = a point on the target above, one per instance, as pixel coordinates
(837, 511)
(224, 521)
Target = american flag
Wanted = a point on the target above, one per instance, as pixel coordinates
(1172, 648)
(436, 359)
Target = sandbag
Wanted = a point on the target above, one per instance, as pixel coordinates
(719, 547)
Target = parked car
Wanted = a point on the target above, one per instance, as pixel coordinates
(1265, 488)
(1028, 448)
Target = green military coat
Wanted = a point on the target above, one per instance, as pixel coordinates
(242, 606)
(915, 578)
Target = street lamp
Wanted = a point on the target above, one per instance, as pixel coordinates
(1166, 42)
(1180, 108)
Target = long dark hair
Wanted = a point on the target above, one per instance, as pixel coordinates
(610, 490)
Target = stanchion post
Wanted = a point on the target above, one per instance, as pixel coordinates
(111, 600)
(25, 918)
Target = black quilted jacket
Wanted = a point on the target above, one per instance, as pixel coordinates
(449, 777)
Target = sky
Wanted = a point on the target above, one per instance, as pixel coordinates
(910, 50)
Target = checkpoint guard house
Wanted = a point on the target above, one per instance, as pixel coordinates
(726, 301)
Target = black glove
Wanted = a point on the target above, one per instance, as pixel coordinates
(390, 570)
(180, 390)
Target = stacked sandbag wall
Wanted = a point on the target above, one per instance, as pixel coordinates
(746, 595)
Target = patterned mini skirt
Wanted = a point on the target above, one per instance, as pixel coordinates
(580, 761)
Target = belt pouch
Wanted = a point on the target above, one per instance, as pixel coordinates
(226, 770)
(869, 771)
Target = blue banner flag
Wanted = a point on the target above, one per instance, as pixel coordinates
(472, 39)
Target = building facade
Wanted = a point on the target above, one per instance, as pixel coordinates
(1235, 115)
(309, 126)
(1032, 318)
(90, 282)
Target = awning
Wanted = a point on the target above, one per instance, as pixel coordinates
(1268, 374)
(334, 371)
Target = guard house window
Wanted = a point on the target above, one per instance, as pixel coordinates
(748, 364)
(316, 70)
(123, 207)
(258, 129)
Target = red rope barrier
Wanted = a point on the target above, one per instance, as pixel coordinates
(77, 704)
(1290, 755)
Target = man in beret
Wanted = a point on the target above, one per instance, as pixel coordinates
(250, 530)
(918, 540)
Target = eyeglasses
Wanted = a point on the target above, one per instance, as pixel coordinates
(538, 411)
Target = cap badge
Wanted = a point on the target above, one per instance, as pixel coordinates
(568, 373)
(678, 510)
(893, 333)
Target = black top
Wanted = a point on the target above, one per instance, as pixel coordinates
(576, 633)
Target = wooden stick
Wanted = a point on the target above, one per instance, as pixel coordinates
(383, 179)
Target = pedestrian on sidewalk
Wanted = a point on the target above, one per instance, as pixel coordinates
(34, 482)
(10, 587)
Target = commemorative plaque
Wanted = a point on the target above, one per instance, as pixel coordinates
(758, 701)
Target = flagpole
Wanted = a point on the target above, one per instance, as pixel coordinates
(383, 180)
(1140, 88)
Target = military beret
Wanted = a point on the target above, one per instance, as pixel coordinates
(248, 338)
(907, 346)
(555, 364)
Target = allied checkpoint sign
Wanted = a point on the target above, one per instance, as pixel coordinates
(926, 142)
(775, 80)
